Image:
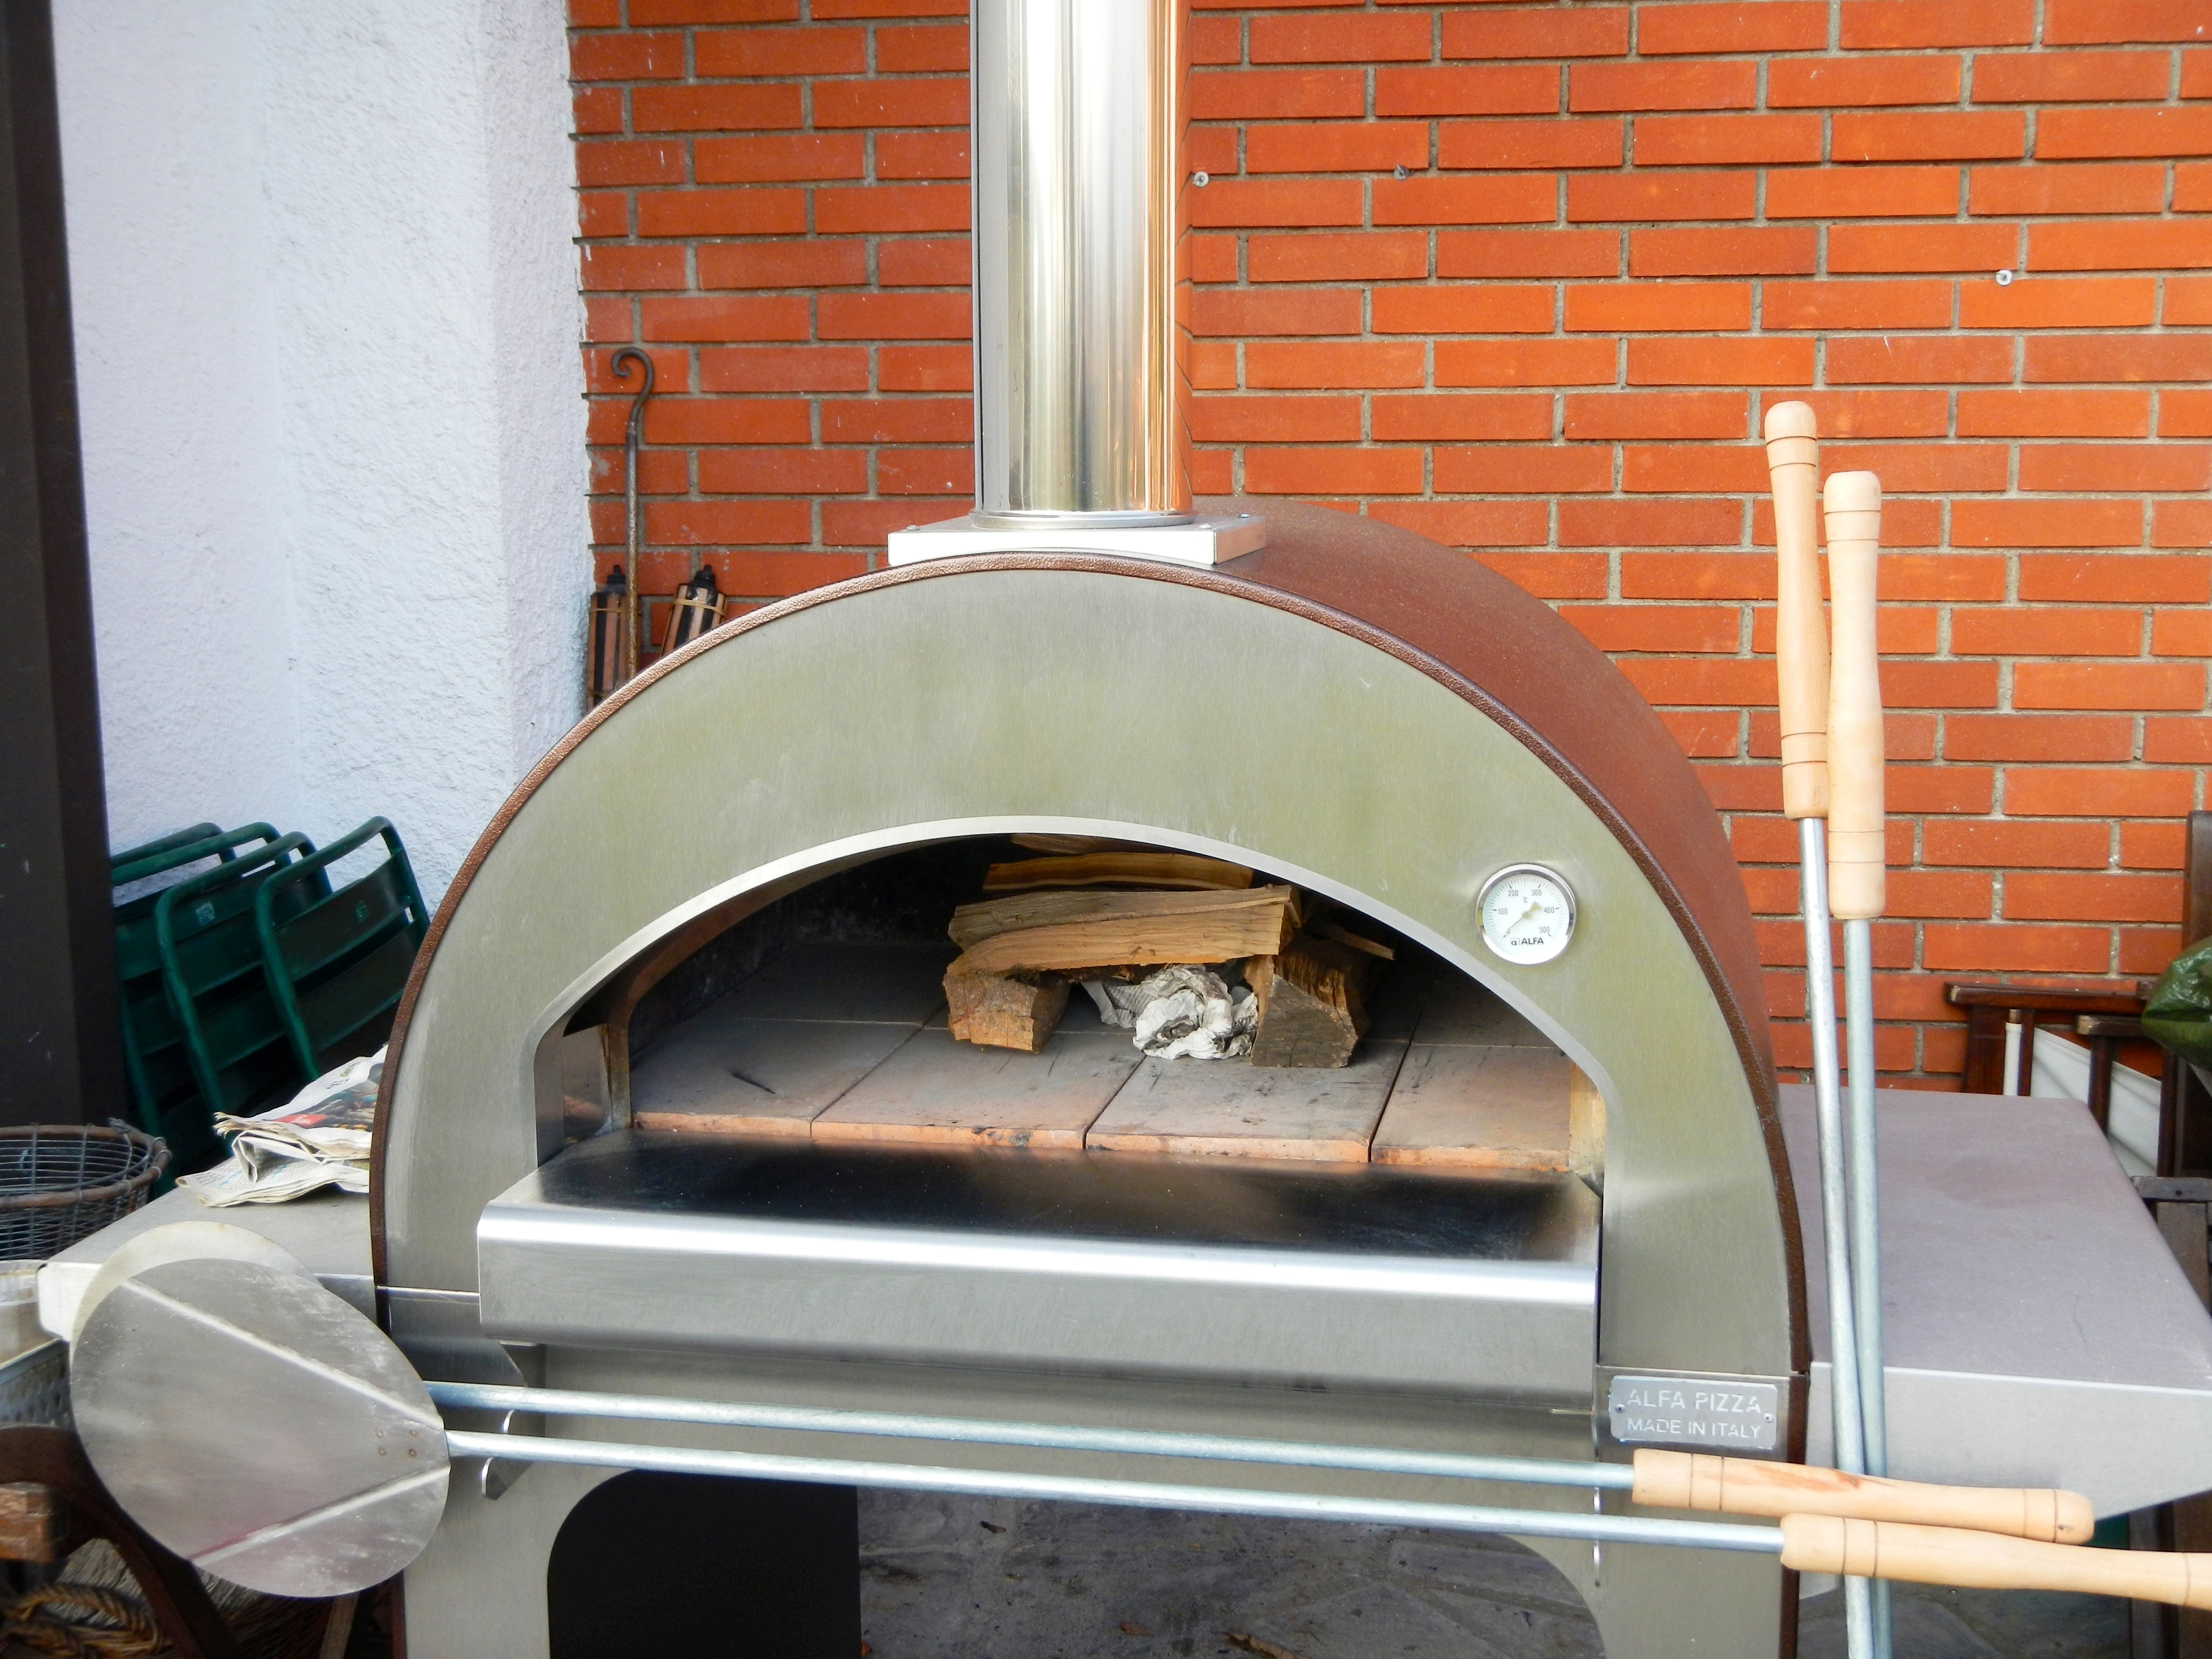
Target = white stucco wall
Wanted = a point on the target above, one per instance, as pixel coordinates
(326, 331)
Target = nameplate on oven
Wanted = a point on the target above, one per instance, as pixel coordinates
(1712, 1412)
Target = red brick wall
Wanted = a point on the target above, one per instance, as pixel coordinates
(1625, 229)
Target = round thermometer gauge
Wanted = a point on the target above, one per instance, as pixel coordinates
(1528, 913)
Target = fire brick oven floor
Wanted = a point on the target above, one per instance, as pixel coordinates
(850, 1043)
(999, 1578)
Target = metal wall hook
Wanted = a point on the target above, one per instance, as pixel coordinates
(633, 434)
(619, 365)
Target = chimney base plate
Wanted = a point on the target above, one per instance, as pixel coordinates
(1202, 541)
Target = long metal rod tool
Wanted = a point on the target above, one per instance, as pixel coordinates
(620, 365)
(1806, 1542)
(1146, 1442)
(1865, 1186)
(1857, 879)
(1655, 1478)
(1141, 1494)
(1801, 654)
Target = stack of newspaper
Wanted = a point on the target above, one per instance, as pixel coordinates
(318, 1139)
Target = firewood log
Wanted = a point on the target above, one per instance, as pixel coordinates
(1072, 844)
(1313, 1008)
(1066, 931)
(1005, 1011)
(1140, 869)
(1336, 930)
(985, 919)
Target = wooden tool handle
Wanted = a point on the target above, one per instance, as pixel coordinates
(1856, 854)
(1743, 1486)
(1800, 637)
(1981, 1560)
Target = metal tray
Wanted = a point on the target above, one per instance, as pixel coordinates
(1096, 1262)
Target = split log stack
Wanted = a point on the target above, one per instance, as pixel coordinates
(1098, 910)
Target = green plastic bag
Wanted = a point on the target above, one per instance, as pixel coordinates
(2179, 1013)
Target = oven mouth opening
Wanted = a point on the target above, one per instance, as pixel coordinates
(829, 1016)
(774, 1142)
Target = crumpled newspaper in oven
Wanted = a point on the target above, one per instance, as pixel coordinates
(1180, 1012)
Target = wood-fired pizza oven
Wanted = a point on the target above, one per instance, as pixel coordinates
(1351, 710)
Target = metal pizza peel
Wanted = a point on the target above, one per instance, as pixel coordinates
(259, 1426)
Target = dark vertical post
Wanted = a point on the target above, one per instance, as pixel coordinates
(2196, 899)
(2172, 1071)
(2102, 1050)
(2024, 1077)
(2184, 1103)
(59, 1060)
(1985, 1074)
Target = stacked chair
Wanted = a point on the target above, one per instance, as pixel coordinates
(250, 974)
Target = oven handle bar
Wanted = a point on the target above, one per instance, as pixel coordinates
(1374, 1460)
(1137, 1494)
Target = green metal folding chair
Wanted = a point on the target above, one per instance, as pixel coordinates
(337, 963)
(233, 1040)
(175, 839)
(154, 1058)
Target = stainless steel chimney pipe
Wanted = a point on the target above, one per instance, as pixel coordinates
(1081, 374)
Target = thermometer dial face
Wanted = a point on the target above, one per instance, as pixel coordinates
(1528, 913)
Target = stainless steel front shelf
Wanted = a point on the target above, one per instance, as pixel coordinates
(1103, 1263)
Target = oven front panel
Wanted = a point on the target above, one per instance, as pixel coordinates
(1104, 1263)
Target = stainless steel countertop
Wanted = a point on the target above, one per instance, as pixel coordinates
(2038, 1331)
(327, 1231)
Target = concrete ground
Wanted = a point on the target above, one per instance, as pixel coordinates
(998, 1578)
(1955, 1624)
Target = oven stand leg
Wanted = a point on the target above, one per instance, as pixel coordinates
(1657, 1603)
(478, 1591)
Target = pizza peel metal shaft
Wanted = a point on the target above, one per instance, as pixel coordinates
(1857, 878)
(1856, 881)
(1801, 648)
(1801, 654)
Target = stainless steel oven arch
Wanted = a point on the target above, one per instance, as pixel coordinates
(1353, 706)
(868, 715)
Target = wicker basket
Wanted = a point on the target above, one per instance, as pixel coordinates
(114, 1623)
(61, 1181)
